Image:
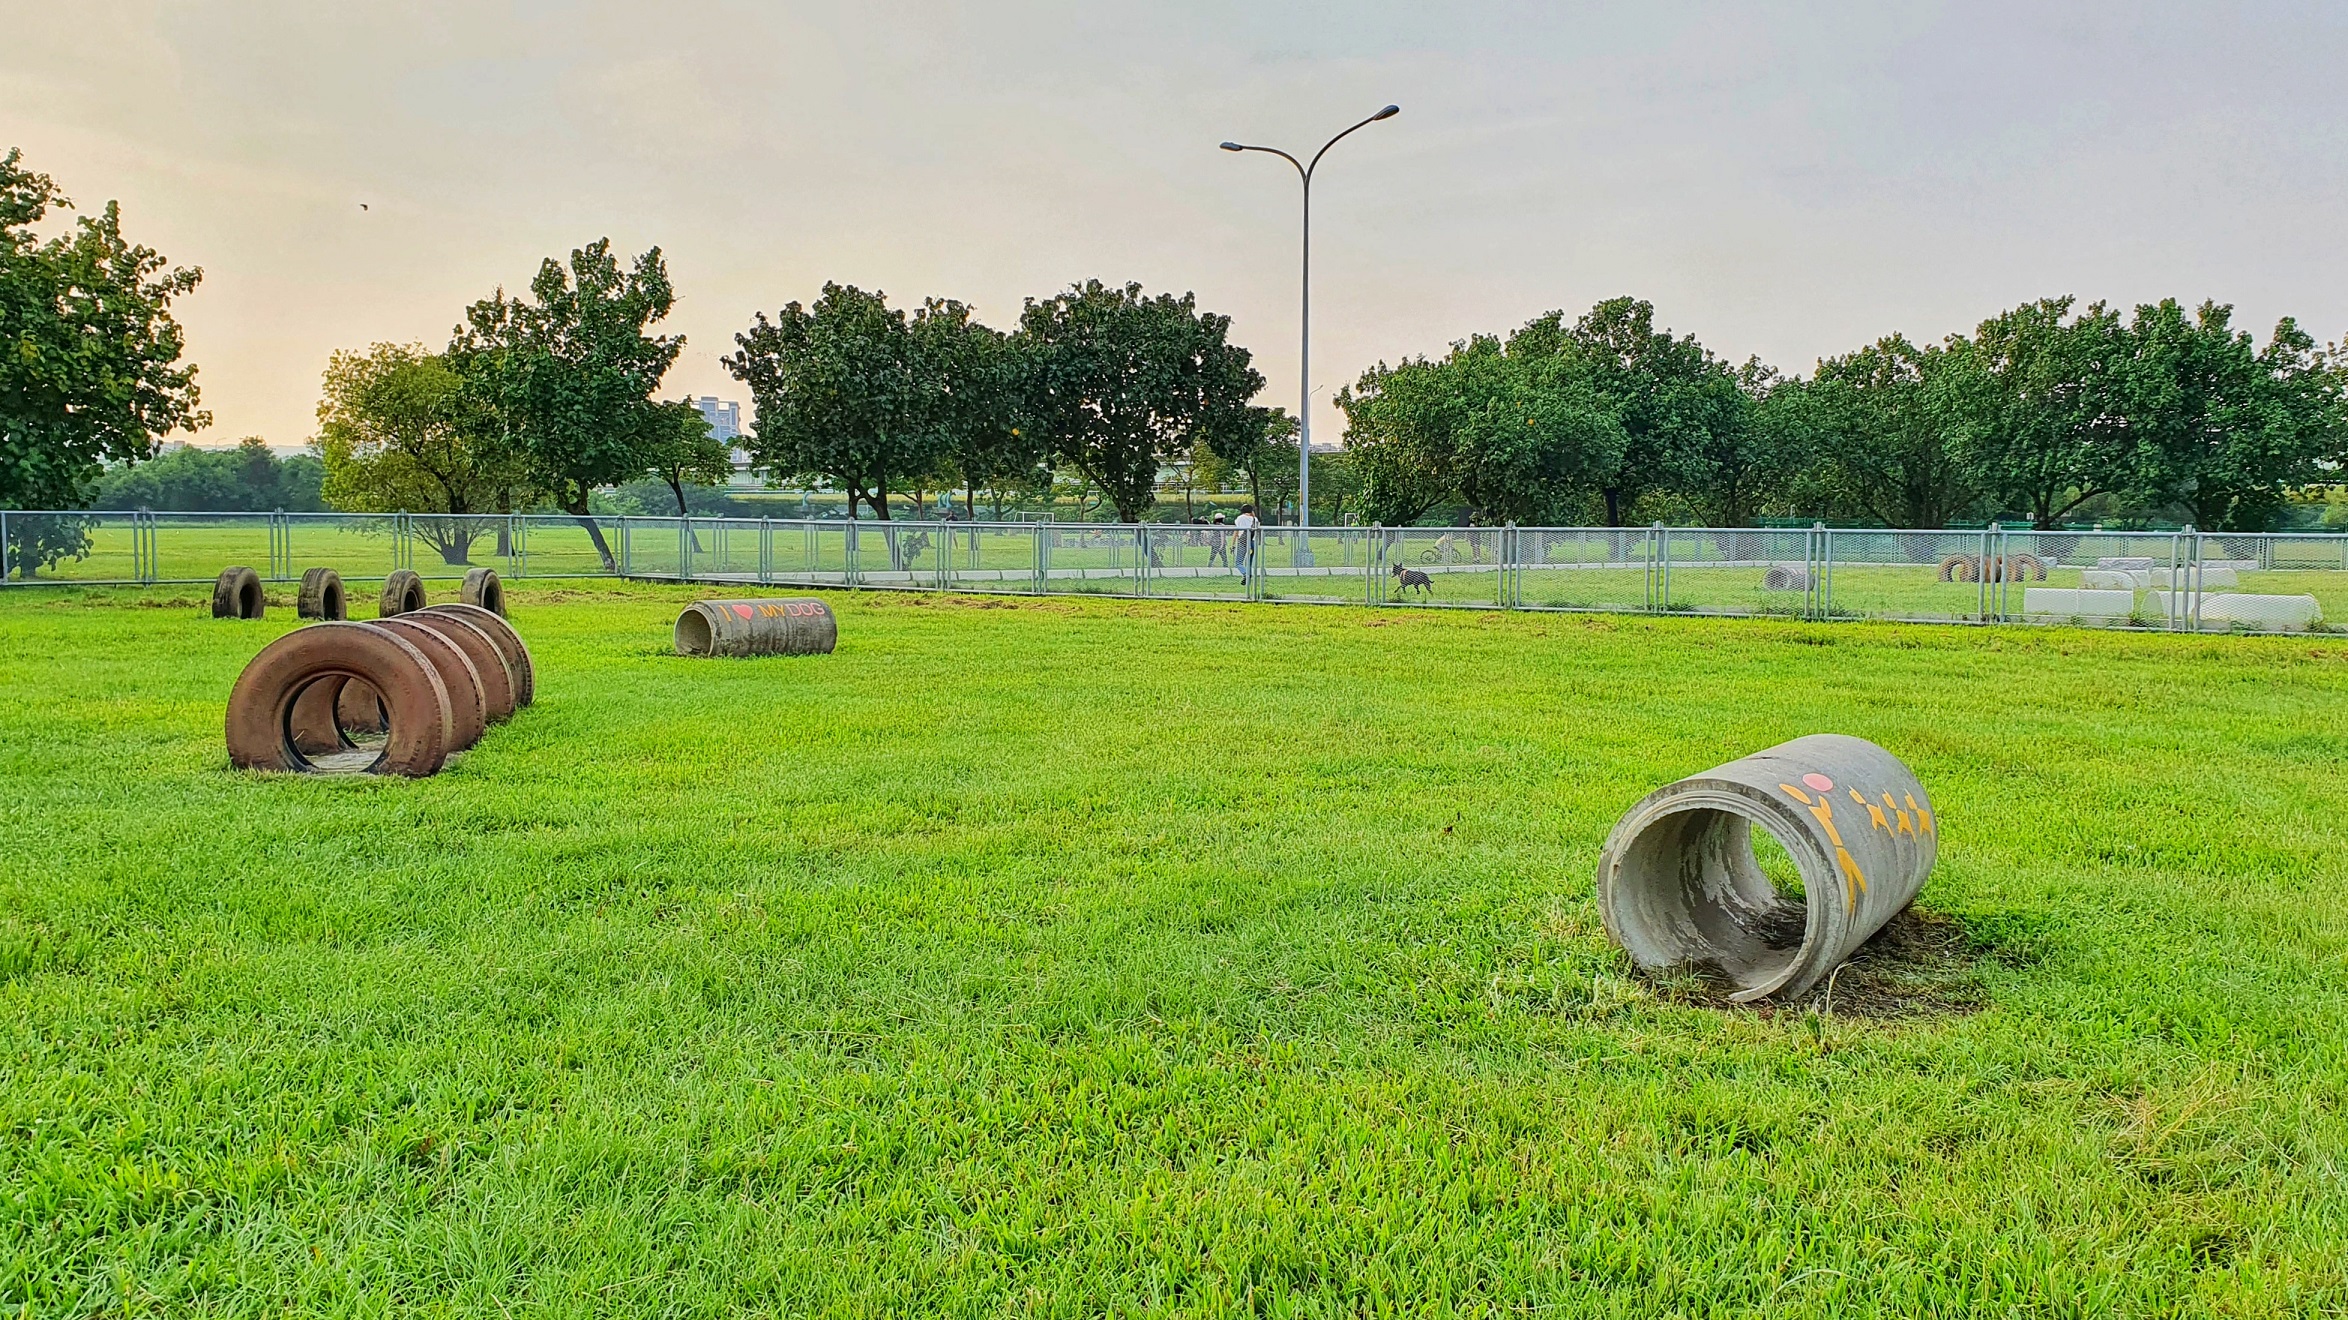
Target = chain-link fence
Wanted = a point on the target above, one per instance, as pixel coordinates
(2190, 581)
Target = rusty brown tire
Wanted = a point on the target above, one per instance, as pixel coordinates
(358, 708)
(261, 706)
(483, 589)
(2028, 568)
(403, 593)
(468, 704)
(321, 595)
(489, 663)
(237, 595)
(1959, 568)
(517, 654)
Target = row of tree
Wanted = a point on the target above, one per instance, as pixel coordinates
(249, 478)
(1109, 383)
(2043, 414)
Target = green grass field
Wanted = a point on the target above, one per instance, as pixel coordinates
(1070, 957)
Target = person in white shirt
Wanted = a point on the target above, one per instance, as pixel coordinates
(1248, 538)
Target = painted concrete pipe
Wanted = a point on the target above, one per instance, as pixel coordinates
(756, 627)
(1678, 885)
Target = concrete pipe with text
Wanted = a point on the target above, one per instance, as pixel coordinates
(756, 627)
(1679, 884)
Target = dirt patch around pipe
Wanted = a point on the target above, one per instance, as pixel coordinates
(1922, 964)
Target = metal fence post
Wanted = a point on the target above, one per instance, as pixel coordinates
(1373, 551)
(1658, 569)
(766, 549)
(2192, 576)
(684, 547)
(5, 543)
(1038, 559)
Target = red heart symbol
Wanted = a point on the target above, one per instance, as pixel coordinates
(742, 610)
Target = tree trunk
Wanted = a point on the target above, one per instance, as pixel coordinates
(695, 537)
(578, 509)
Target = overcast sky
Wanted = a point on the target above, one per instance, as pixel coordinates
(1789, 181)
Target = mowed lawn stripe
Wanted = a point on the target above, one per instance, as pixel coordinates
(1059, 957)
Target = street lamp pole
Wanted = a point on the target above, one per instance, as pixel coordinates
(1304, 364)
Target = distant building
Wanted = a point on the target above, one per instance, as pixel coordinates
(725, 423)
(724, 417)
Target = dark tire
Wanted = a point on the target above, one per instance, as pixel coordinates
(517, 655)
(261, 706)
(321, 596)
(468, 704)
(2029, 568)
(237, 595)
(483, 589)
(403, 593)
(489, 663)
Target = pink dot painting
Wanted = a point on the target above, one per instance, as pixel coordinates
(1819, 782)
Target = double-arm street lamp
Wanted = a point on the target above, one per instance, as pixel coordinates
(1304, 366)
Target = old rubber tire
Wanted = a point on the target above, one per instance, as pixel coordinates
(403, 592)
(1959, 568)
(468, 704)
(237, 595)
(483, 589)
(517, 654)
(261, 704)
(497, 677)
(359, 709)
(2029, 568)
(321, 595)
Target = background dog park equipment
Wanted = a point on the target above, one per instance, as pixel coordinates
(756, 627)
(1828, 573)
(431, 681)
(1678, 884)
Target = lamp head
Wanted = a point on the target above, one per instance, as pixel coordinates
(1388, 113)
(1233, 146)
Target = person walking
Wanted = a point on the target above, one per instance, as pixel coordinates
(1218, 543)
(1248, 532)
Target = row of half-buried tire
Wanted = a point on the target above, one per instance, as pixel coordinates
(238, 594)
(428, 682)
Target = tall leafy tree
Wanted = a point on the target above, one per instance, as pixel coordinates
(1258, 452)
(89, 360)
(1877, 437)
(978, 385)
(565, 377)
(2034, 396)
(1401, 427)
(1673, 400)
(843, 393)
(1125, 383)
(393, 435)
(683, 453)
(1514, 429)
(2221, 427)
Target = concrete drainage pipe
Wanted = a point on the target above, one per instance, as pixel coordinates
(756, 627)
(1678, 884)
(328, 657)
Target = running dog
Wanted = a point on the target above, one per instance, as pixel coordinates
(1411, 577)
